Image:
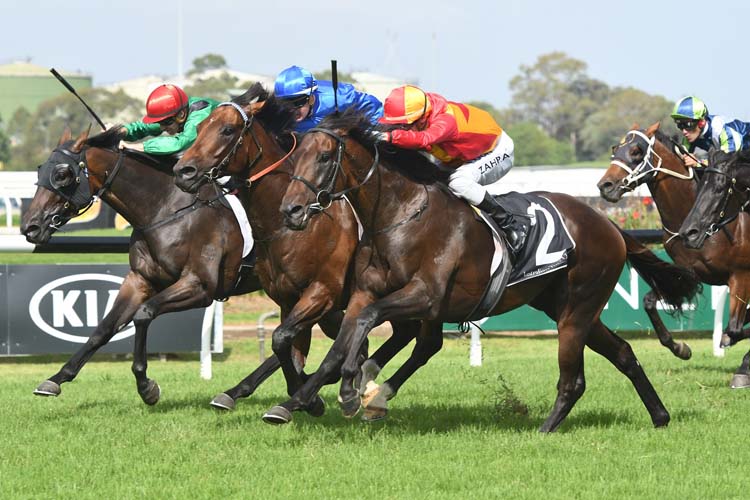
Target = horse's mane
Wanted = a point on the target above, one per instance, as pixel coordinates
(409, 162)
(671, 144)
(276, 116)
(110, 140)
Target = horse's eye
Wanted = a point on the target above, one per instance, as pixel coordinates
(325, 157)
(227, 130)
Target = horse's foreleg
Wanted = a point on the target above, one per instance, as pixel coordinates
(603, 341)
(403, 333)
(187, 293)
(133, 291)
(407, 302)
(329, 367)
(679, 349)
(374, 397)
(741, 378)
(738, 302)
(315, 302)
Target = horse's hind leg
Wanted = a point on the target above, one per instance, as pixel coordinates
(603, 341)
(572, 383)
(227, 399)
(679, 349)
(133, 292)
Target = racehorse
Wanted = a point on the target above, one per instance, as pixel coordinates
(426, 256)
(184, 251)
(305, 273)
(649, 157)
(720, 207)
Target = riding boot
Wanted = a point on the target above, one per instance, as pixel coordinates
(514, 231)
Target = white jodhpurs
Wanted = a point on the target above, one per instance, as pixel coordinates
(469, 180)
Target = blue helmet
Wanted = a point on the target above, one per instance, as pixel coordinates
(294, 82)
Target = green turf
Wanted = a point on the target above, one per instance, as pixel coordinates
(453, 432)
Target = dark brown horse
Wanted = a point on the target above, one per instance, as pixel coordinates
(184, 252)
(649, 157)
(426, 256)
(718, 215)
(305, 273)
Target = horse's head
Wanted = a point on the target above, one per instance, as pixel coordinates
(62, 190)
(632, 163)
(317, 163)
(723, 193)
(221, 147)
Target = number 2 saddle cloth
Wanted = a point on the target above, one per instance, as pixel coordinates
(548, 244)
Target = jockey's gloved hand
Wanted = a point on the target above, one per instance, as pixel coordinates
(382, 136)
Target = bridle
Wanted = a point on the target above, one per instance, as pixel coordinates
(715, 227)
(645, 171)
(77, 194)
(324, 196)
(215, 173)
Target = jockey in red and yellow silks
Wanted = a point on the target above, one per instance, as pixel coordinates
(457, 135)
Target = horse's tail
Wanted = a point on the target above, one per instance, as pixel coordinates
(674, 284)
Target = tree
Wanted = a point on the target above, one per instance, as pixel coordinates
(4, 146)
(41, 131)
(626, 106)
(343, 77)
(220, 87)
(207, 62)
(534, 147)
(556, 94)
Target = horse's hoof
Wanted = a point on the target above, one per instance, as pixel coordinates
(350, 407)
(740, 381)
(726, 341)
(317, 408)
(48, 388)
(683, 351)
(277, 415)
(223, 402)
(370, 371)
(374, 414)
(152, 393)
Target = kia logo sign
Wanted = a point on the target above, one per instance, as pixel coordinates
(75, 306)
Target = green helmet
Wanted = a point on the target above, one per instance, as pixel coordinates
(690, 108)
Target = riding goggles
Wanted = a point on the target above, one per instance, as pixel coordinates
(686, 124)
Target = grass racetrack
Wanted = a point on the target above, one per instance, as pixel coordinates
(453, 431)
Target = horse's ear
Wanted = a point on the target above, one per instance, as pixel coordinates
(80, 140)
(652, 129)
(66, 136)
(635, 126)
(254, 106)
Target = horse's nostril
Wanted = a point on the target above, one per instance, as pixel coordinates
(188, 172)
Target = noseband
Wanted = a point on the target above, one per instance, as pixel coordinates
(323, 195)
(646, 167)
(247, 125)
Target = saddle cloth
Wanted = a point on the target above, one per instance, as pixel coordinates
(548, 244)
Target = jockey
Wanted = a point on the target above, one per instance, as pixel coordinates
(701, 130)
(314, 100)
(456, 135)
(168, 110)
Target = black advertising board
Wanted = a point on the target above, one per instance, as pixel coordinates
(46, 309)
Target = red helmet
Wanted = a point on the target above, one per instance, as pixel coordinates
(405, 104)
(165, 101)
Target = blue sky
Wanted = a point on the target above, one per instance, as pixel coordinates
(466, 50)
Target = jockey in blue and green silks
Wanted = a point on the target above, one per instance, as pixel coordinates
(702, 130)
(314, 100)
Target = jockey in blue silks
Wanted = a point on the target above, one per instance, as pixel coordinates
(314, 100)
